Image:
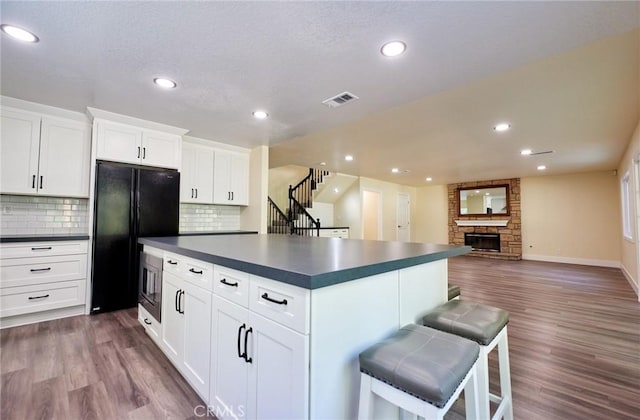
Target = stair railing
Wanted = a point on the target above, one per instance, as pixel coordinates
(277, 221)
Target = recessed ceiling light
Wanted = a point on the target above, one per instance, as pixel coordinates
(163, 82)
(541, 167)
(335, 190)
(486, 194)
(19, 33)
(502, 127)
(429, 179)
(323, 163)
(261, 115)
(393, 48)
(477, 191)
(348, 158)
(395, 170)
(526, 152)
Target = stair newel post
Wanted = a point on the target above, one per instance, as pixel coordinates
(318, 227)
(291, 211)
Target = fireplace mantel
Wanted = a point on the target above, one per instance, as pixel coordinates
(482, 222)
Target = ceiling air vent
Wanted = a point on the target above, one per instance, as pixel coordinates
(339, 100)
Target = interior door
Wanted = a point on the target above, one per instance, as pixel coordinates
(404, 217)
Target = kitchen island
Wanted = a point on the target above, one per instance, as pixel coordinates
(288, 316)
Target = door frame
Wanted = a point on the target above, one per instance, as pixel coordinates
(398, 195)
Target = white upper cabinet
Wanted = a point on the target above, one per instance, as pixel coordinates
(196, 177)
(130, 144)
(44, 155)
(231, 178)
(64, 158)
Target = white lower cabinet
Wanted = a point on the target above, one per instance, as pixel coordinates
(259, 369)
(186, 329)
(40, 281)
(172, 319)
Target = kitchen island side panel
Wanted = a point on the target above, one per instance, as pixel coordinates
(349, 317)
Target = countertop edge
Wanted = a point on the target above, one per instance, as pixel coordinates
(42, 238)
(309, 281)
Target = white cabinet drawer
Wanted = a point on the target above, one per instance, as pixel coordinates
(151, 326)
(283, 303)
(41, 297)
(231, 284)
(27, 271)
(172, 263)
(199, 273)
(42, 249)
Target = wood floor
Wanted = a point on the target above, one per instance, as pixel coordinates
(90, 367)
(574, 340)
(574, 336)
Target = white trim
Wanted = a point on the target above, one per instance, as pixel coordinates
(482, 222)
(572, 260)
(32, 318)
(631, 280)
(111, 117)
(33, 107)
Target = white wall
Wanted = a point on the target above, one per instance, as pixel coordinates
(347, 211)
(324, 212)
(254, 217)
(631, 248)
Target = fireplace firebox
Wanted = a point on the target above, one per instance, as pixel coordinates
(483, 241)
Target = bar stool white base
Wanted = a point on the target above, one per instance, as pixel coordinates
(504, 400)
(415, 407)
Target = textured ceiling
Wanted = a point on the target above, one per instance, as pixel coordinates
(230, 58)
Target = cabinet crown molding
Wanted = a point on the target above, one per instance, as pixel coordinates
(100, 114)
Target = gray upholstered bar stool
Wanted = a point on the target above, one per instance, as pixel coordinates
(420, 370)
(488, 327)
(453, 292)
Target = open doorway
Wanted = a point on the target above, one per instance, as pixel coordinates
(371, 215)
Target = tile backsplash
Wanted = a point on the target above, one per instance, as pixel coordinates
(208, 217)
(23, 215)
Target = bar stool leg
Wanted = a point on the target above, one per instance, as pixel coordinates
(365, 407)
(471, 396)
(483, 383)
(505, 376)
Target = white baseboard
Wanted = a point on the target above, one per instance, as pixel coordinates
(631, 280)
(570, 260)
(32, 318)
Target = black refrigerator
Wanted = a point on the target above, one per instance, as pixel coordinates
(130, 202)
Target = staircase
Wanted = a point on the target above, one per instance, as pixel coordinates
(297, 220)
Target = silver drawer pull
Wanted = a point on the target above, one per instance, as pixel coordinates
(39, 270)
(38, 297)
(41, 248)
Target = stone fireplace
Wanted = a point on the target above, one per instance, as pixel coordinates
(490, 236)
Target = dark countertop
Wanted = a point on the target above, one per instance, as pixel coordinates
(220, 232)
(43, 238)
(308, 262)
